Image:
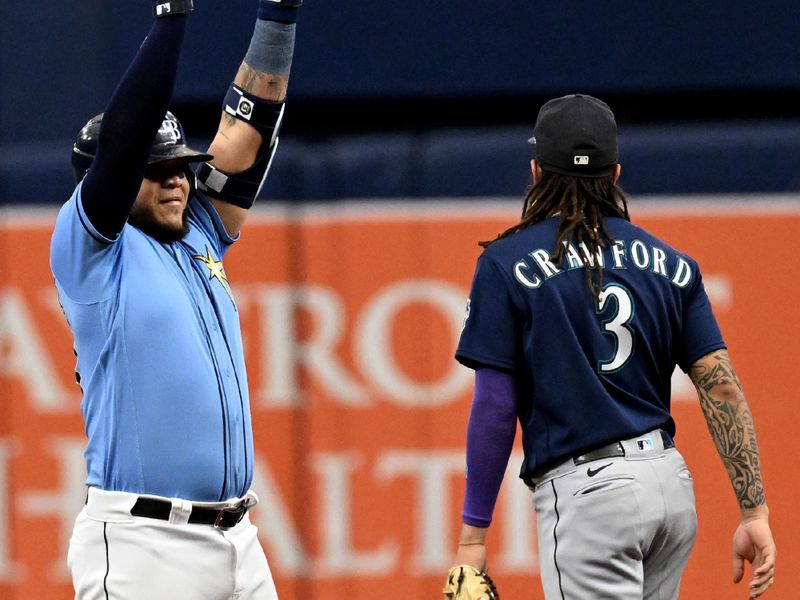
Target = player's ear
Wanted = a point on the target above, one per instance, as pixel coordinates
(536, 170)
(616, 172)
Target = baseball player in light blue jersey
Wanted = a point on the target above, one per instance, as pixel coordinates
(137, 257)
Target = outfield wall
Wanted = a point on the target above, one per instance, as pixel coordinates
(350, 313)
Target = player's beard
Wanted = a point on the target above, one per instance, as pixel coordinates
(162, 232)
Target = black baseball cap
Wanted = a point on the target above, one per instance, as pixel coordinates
(576, 135)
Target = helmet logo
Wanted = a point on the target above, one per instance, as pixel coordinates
(170, 131)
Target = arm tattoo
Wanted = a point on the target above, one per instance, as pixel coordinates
(264, 85)
(248, 77)
(731, 425)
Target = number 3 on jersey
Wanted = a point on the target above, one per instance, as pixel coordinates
(616, 326)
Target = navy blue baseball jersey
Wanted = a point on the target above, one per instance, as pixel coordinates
(159, 356)
(588, 372)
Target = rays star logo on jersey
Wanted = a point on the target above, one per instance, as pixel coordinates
(215, 270)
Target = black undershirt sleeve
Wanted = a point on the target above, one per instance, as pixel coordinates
(130, 123)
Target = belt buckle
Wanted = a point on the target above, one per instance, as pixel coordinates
(239, 510)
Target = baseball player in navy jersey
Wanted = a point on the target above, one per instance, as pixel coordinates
(137, 254)
(576, 320)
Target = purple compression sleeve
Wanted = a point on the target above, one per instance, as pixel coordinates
(490, 437)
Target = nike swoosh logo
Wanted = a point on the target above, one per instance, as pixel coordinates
(592, 472)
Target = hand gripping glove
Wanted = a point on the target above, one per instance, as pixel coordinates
(468, 583)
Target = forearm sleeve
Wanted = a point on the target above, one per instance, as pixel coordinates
(490, 437)
(130, 123)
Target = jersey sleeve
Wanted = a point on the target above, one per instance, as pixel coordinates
(701, 333)
(492, 324)
(84, 262)
(205, 217)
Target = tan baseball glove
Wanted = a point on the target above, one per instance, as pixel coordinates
(468, 583)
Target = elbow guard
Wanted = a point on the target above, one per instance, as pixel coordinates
(242, 189)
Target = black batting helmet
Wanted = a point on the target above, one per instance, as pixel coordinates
(170, 143)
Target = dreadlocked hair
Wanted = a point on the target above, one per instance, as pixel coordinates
(582, 203)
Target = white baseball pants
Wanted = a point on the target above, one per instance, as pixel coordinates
(116, 556)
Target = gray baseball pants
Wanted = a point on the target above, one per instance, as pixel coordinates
(618, 528)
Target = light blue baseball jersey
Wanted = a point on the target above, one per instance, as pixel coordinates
(159, 356)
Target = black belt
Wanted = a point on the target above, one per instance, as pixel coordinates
(612, 450)
(221, 518)
(615, 449)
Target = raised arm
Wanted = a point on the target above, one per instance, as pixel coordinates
(131, 120)
(731, 425)
(248, 130)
